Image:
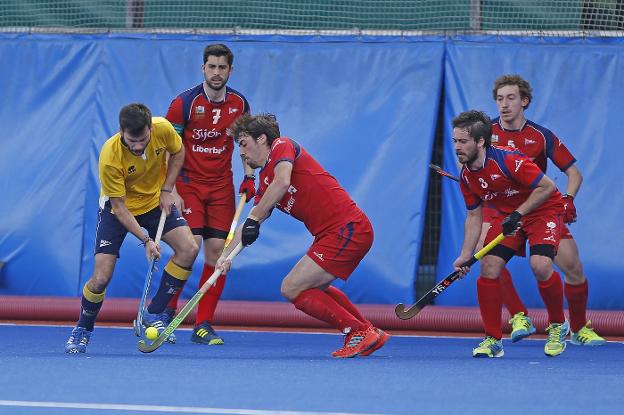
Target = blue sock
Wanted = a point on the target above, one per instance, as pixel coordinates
(169, 286)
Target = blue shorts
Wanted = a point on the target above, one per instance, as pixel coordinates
(110, 233)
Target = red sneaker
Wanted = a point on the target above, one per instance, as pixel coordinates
(356, 342)
(383, 338)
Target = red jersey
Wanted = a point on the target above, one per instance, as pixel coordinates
(314, 197)
(535, 141)
(203, 125)
(505, 181)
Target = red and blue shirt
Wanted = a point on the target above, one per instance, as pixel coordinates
(314, 197)
(203, 126)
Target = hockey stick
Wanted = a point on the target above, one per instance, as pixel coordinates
(138, 323)
(186, 310)
(441, 172)
(239, 209)
(426, 299)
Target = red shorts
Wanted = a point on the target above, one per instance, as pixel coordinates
(339, 250)
(538, 230)
(208, 205)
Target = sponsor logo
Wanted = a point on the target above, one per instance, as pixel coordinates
(551, 225)
(494, 138)
(319, 256)
(203, 134)
(518, 164)
(159, 150)
(208, 150)
(278, 142)
(443, 285)
(511, 192)
(187, 211)
(289, 205)
(495, 176)
(266, 180)
(200, 109)
(550, 238)
(292, 190)
(104, 243)
(528, 141)
(131, 169)
(232, 110)
(489, 196)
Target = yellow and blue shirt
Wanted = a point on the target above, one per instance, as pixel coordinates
(138, 178)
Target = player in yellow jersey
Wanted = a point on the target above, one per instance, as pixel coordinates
(137, 182)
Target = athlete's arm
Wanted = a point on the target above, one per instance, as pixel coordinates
(274, 193)
(575, 178)
(174, 164)
(472, 232)
(128, 220)
(545, 187)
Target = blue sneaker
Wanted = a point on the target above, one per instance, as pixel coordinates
(78, 340)
(169, 314)
(521, 327)
(157, 320)
(205, 334)
(586, 336)
(489, 347)
(556, 344)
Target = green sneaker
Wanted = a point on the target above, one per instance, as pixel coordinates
(489, 347)
(521, 327)
(586, 336)
(556, 338)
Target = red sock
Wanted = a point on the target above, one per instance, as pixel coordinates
(173, 303)
(551, 291)
(577, 304)
(511, 300)
(491, 305)
(208, 303)
(316, 303)
(342, 299)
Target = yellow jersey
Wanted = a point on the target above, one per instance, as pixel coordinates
(138, 178)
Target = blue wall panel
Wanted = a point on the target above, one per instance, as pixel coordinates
(578, 94)
(366, 111)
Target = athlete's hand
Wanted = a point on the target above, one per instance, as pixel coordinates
(167, 200)
(223, 264)
(152, 250)
(178, 201)
(512, 223)
(248, 186)
(250, 231)
(457, 265)
(569, 210)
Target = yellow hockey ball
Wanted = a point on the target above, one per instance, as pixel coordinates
(151, 333)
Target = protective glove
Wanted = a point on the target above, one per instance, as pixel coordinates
(511, 223)
(569, 210)
(248, 186)
(250, 232)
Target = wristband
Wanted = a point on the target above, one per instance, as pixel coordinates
(166, 190)
(569, 195)
(146, 240)
(250, 176)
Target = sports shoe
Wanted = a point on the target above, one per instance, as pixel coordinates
(169, 314)
(357, 342)
(556, 338)
(78, 340)
(586, 336)
(521, 327)
(383, 338)
(205, 334)
(156, 320)
(489, 347)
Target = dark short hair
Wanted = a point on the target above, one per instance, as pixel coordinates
(219, 49)
(255, 126)
(523, 86)
(133, 118)
(477, 123)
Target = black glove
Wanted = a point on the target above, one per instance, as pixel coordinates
(251, 231)
(511, 223)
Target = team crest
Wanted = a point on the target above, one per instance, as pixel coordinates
(131, 169)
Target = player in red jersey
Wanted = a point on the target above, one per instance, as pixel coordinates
(532, 210)
(202, 116)
(513, 95)
(295, 183)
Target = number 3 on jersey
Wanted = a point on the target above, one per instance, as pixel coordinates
(216, 115)
(483, 183)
